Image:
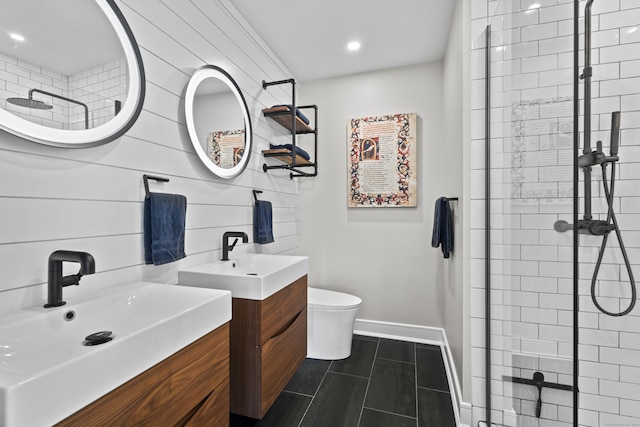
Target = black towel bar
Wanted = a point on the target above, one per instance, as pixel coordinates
(255, 194)
(145, 178)
(452, 198)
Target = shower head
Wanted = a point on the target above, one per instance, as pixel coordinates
(30, 103)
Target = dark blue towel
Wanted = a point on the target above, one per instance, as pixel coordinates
(289, 147)
(164, 226)
(299, 113)
(442, 227)
(262, 222)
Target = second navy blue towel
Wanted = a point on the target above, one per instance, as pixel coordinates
(442, 227)
(262, 222)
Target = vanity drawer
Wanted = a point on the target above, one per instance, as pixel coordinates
(166, 393)
(277, 311)
(280, 358)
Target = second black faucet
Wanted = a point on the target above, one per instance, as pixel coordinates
(226, 247)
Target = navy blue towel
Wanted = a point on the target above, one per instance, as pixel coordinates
(164, 226)
(262, 222)
(442, 227)
(289, 147)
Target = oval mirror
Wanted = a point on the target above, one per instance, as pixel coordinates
(72, 74)
(218, 121)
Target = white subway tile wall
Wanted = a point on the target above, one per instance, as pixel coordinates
(531, 188)
(99, 88)
(18, 77)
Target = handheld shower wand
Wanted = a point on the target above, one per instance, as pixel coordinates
(590, 158)
(612, 223)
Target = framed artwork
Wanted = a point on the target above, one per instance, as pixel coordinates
(382, 161)
(226, 148)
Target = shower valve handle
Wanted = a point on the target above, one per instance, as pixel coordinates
(593, 158)
(594, 227)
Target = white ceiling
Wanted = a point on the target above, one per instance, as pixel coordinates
(311, 37)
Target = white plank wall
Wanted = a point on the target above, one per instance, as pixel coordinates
(92, 199)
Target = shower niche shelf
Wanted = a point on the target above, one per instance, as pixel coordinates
(287, 117)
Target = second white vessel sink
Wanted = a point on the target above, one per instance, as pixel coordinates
(249, 276)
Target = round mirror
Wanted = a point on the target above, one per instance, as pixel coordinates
(218, 121)
(72, 72)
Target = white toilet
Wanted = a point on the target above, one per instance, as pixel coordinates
(331, 317)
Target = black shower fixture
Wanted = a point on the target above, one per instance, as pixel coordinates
(588, 159)
(39, 105)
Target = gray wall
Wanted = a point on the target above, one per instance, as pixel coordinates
(382, 255)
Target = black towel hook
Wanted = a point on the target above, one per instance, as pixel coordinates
(145, 178)
(255, 194)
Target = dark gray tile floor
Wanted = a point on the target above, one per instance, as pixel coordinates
(384, 383)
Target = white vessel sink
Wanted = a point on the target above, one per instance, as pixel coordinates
(47, 374)
(250, 276)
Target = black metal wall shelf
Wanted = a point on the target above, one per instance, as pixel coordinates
(286, 116)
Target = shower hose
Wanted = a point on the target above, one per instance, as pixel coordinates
(611, 220)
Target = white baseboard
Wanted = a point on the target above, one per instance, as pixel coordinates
(424, 335)
(466, 414)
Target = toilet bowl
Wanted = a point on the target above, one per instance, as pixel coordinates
(331, 317)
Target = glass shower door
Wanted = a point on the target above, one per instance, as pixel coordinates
(530, 264)
(537, 270)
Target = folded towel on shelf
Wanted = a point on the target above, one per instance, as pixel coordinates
(299, 151)
(164, 228)
(262, 222)
(442, 227)
(299, 113)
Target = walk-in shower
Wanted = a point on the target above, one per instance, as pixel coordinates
(561, 129)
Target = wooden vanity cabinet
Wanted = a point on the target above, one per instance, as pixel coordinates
(189, 388)
(268, 344)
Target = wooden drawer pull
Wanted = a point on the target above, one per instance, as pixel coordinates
(286, 325)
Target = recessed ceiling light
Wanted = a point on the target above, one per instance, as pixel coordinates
(353, 46)
(16, 37)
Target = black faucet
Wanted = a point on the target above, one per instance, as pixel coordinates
(226, 247)
(57, 281)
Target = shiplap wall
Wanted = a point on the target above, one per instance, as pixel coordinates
(92, 199)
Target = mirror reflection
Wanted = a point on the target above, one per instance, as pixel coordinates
(68, 74)
(218, 121)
